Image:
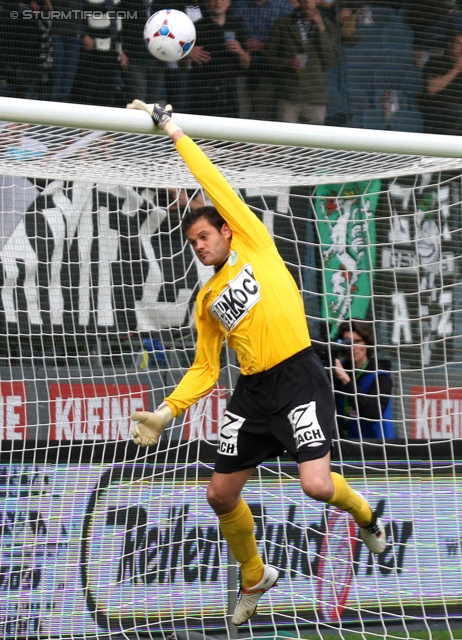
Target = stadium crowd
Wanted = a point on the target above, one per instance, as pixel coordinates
(376, 64)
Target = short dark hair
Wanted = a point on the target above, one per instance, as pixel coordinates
(362, 328)
(209, 213)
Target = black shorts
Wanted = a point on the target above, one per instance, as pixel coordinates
(287, 408)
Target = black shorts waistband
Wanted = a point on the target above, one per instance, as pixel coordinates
(280, 365)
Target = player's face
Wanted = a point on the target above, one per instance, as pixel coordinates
(210, 245)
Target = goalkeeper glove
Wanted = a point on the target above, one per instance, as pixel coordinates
(161, 116)
(150, 425)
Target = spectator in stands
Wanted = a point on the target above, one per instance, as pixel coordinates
(432, 22)
(362, 390)
(102, 58)
(300, 48)
(66, 40)
(20, 48)
(144, 74)
(157, 81)
(219, 58)
(422, 20)
(177, 74)
(441, 104)
(6, 38)
(256, 86)
(349, 14)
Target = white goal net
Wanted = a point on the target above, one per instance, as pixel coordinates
(99, 539)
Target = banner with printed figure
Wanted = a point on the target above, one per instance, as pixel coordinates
(346, 225)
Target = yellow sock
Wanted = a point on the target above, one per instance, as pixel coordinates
(238, 529)
(345, 498)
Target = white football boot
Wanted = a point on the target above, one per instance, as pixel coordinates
(248, 601)
(374, 536)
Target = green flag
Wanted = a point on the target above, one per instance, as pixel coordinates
(346, 224)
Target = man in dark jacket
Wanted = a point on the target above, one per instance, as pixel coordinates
(66, 39)
(300, 48)
(219, 56)
(20, 47)
(441, 103)
(144, 75)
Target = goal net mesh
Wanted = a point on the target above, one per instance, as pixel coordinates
(146, 160)
(100, 539)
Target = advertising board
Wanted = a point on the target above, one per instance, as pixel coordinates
(87, 548)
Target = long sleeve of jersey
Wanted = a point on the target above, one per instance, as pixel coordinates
(242, 221)
(252, 302)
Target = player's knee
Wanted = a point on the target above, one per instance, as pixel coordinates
(220, 501)
(318, 489)
(216, 499)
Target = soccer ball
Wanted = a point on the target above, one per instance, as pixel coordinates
(169, 35)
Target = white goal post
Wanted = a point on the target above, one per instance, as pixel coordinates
(99, 539)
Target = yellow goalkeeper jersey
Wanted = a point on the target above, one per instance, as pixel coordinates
(252, 302)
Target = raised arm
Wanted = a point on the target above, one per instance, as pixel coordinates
(231, 207)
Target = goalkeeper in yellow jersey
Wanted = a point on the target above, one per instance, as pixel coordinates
(283, 400)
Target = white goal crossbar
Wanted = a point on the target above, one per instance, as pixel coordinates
(248, 152)
(214, 128)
